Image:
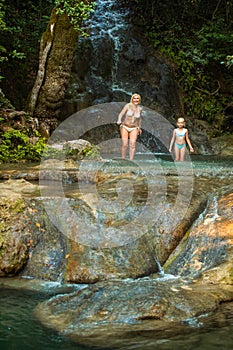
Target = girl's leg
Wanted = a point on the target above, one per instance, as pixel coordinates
(177, 153)
(182, 154)
(132, 143)
(124, 140)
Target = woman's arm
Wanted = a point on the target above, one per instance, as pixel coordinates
(140, 122)
(121, 114)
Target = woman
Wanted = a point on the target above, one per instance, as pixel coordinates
(130, 128)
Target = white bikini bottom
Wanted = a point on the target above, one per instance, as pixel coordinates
(129, 129)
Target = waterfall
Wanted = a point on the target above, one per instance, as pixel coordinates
(114, 61)
(108, 21)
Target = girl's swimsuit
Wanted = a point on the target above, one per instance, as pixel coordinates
(180, 146)
(180, 134)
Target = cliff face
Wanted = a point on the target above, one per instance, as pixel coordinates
(116, 60)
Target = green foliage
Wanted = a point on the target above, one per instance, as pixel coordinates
(229, 61)
(25, 21)
(91, 152)
(17, 146)
(2, 29)
(13, 18)
(196, 37)
(21, 26)
(2, 15)
(52, 153)
(77, 11)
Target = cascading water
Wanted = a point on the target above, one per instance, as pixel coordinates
(108, 21)
(114, 61)
(106, 30)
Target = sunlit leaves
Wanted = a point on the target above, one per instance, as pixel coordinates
(77, 11)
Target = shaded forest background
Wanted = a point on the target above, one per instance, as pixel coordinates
(195, 36)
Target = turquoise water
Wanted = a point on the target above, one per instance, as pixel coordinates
(20, 330)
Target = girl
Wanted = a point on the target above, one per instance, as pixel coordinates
(180, 137)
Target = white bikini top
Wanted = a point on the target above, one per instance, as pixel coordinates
(131, 113)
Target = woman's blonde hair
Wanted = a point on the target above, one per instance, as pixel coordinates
(135, 95)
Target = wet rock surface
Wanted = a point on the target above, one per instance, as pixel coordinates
(168, 303)
(208, 245)
(15, 237)
(117, 61)
(125, 312)
(65, 242)
(127, 297)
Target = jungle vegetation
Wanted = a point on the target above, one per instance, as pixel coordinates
(196, 36)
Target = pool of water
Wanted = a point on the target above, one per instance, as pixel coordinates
(20, 330)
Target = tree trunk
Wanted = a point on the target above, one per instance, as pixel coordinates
(57, 49)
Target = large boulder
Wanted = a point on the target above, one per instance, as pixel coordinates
(15, 238)
(207, 248)
(198, 294)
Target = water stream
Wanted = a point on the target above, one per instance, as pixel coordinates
(20, 330)
(112, 25)
(107, 25)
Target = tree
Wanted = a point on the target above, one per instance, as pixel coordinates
(57, 48)
(21, 26)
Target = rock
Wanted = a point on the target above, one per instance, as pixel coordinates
(206, 250)
(14, 236)
(114, 314)
(194, 292)
(25, 246)
(223, 145)
(18, 187)
(72, 149)
(64, 241)
(116, 60)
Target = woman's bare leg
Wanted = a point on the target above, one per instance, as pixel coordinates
(132, 143)
(124, 140)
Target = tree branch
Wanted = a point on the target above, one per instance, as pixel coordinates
(207, 92)
(45, 46)
(216, 9)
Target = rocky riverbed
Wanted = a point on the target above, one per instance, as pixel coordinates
(170, 279)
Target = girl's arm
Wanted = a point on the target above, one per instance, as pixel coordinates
(172, 141)
(188, 142)
(123, 111)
